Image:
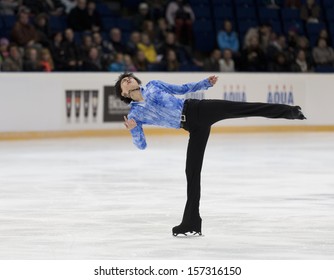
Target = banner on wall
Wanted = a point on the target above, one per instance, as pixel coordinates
(81, 103)
(278, 92)
(281, 94)
(88, 102)
(113, 108)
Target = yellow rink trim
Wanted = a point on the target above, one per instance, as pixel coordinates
(158, 131)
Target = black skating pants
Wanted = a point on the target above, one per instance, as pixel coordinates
(200, 115)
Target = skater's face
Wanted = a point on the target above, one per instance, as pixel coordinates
(129, 87)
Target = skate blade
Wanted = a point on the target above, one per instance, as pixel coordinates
(188, 234)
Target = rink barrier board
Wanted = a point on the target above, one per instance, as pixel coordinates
(39, 105)
(159, 132)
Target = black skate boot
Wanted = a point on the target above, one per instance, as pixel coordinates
(297, 113)
(188, 229)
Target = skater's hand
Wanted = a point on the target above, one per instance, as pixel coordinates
(129, 124)
(213, 80)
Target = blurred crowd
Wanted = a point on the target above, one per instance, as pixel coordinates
(161, 38)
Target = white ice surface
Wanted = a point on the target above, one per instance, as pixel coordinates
(264, 196)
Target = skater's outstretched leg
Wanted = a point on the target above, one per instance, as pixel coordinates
(211, 111)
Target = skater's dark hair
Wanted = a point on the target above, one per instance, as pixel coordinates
(118, 88)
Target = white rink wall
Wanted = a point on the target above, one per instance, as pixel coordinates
(56, 102)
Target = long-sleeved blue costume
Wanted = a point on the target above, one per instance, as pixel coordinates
(160, 106)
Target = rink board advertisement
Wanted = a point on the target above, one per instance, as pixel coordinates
(288, 92)
(114, 108)
(81, 102)
(87, 101)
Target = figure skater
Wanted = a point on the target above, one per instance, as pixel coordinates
(155, 104)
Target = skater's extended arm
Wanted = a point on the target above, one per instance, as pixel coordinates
(137, 133)
(138, 137)
(187, 88)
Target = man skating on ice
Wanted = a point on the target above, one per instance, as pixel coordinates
(155, 104)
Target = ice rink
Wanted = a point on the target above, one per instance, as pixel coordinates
(264, 196)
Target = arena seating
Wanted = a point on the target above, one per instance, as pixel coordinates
(210, 15)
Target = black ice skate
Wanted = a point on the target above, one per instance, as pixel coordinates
(188, 230)
(297, 113)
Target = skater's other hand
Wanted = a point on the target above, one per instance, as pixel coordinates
(129, 124)
(213, 80)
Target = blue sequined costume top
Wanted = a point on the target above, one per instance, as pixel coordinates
(160, 106)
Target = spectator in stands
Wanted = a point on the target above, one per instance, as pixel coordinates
(252, 57)
(280, 63)
(301, 64)
(31, 62)
(4, 43)
(169, 43)
(94, 17)
(58, 52)
(129, 65)
(140, 61)
(43, 29)
(226, 64)
(271, 4)
(293, 4)
(211, 64)
(133, 42)
(292, 39)
(310, 11)
(78, 19)
(4, 49)
(250, 34)
(265, 35)
(116, 40)
(24, 33)
(323, 54)
(105, 48)
(86, 45)
(142, 15)
(276, 47)
(0, 63)
(72, 52)
(171, 63)
(161, 31)
(183, 55)
(303, 44)
(46, 60)
(323, 34)
(92, 63)
(13, 63)
(9, 7)
(181, 17)
(118, 65)
(146, 46)
(148, 28)
(50, 7)
(227, 38)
